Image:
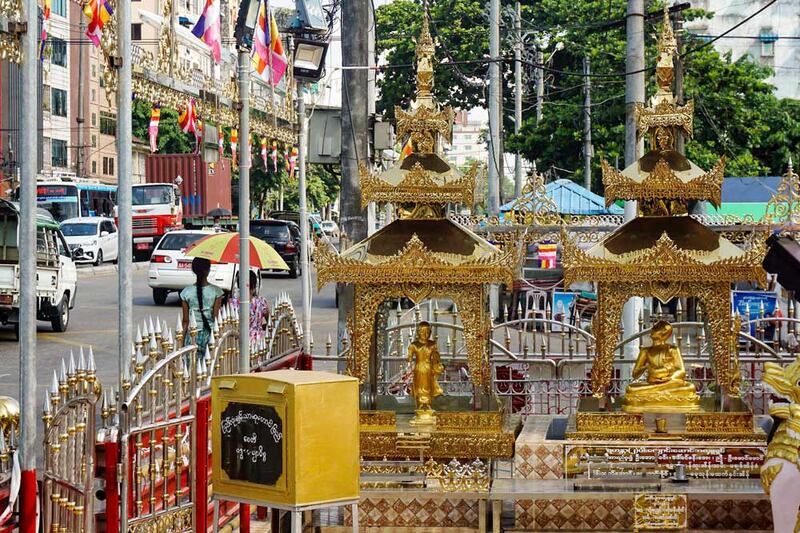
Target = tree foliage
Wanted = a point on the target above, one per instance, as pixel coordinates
(737, 113)
(171, 138)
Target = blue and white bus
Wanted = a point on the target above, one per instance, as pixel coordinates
(74, 197)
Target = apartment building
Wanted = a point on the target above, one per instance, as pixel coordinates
(56, 125)
(772, 37)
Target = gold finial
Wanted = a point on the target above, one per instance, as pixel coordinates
(425, 56)
(667, 49)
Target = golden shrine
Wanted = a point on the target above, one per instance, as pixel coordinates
(664, 253)
(423, 255)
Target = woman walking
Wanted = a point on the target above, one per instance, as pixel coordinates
(203, 300)
(259, 310)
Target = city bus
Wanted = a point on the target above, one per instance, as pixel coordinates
(67, 197)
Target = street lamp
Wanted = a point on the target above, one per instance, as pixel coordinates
(309, 58)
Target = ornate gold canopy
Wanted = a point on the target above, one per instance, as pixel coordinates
(663, 173)
(664, 256)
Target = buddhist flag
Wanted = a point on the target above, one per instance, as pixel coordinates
(548, 255)
(292, 162)
(234, 144)
(99, 13)
(155, 120)
(198, 136)
(267, 47)
(264, 151)
(45, 19)
(275, 156)
(188, 118)
(207, 29)
(221, 146)
(408, 149)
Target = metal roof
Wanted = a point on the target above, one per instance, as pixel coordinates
(573, 199)
(749, 189)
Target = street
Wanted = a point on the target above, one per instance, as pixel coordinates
(94, 321)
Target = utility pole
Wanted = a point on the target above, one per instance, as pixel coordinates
(517, 95)
(539, 74)
(125, 234)
(495, 110)
(79, 161)
(634, 93)
(29, 150)
(588, 149)
(244, 210)
(355, 146)
(301, 180)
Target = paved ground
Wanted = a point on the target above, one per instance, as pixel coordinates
(94, 322)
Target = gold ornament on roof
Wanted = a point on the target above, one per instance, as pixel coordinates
(663, 174)
(784, 206)
(534, 206)
(419, 187)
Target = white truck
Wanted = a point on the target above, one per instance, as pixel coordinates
(56, 275)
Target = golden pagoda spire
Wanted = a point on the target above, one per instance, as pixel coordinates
(665, 65)
(425, 56)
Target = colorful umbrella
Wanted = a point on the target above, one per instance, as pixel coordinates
(224, 248)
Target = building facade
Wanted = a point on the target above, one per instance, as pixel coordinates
(771, 38)
(469, 143)
(57, 105)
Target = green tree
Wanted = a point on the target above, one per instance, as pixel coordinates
(737, 113)
(171, 139)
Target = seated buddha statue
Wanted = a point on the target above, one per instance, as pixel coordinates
(665, 390)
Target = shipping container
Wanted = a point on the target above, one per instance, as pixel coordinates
(205, 186)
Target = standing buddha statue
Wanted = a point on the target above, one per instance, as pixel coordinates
(427, 366)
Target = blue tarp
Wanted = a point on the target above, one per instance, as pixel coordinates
(573, 199)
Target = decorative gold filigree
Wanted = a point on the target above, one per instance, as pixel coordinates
(611, 422)
(406, 265)
(663, 264)
(418, 187)
(663, 184)
(478, 420)
(384, 419)
(784, 206)
(10, 48)
(443, 445)
(723, 423)
(460, 476)
(534, 207)
(179, 520)
(665, 115)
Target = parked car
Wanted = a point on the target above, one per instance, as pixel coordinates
(330, 228)
(284, 237)
(294, 216)
(91, 239)
(171, 269)
(56, 276)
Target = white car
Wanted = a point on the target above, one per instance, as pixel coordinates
(91, 239)
(330, 228)
(171, 269)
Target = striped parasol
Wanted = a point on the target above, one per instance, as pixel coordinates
(224, 248)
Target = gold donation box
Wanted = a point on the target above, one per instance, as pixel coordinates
(287, 437)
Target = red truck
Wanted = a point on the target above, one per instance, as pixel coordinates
(179, 190)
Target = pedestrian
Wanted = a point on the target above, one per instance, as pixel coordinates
(259, 310)
(203, 300)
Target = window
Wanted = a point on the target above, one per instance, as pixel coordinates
(94, 141)
(59, 7)
(108, 123)
(94, 71)
(94, 166)
(136, 32)
(108, 166)
(94, 120)
(94, 95)
(767, 38)
(58, 102)
(59, 51)
(58, 153)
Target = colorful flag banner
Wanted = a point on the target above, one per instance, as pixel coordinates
(264, 151)
(268, 47)
(292, 162)
(188, 118)
(99, 13)
(275, 156)
(221, 144)
(45, 24)
(234, 145)
(408, 149)
(207, 29)
(152, 130)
